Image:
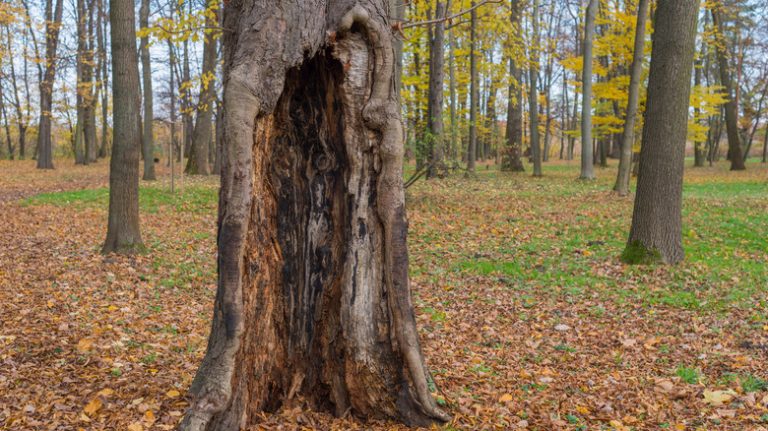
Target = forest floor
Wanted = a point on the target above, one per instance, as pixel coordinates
(528, 318)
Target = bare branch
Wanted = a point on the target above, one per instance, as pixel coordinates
(450, 17)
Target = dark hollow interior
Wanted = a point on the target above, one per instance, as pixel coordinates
(307, 173)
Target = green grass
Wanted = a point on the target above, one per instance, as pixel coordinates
(750, 383)
(725, 238)
(689, 375)
(195, 199)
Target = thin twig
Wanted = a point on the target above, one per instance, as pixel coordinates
(450, 17)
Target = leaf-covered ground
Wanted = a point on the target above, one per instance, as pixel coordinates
(528, 319)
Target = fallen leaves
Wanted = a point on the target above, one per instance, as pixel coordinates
(92, 407)
(719, 397)
(84, 345)
(113, 343)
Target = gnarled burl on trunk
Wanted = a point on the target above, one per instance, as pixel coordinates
(313, 305)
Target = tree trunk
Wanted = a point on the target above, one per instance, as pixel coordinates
(147, 139)
(731, 107)
(4, 115)
(84, 82)
(656, 233)
(533, 93)
(628, 135)
(490, 115)
(201, 135)
(512, 159)
(85, 46)
(587, 164)
(436, 168)
(219, 138)
(758, 116)
(21, 121)
(101, 40)
(574, 122)
(313, 302)
(765, 145)
(453, 152)
(698, 146)
(474, 91)
(123, 235)
(172, 105)
(52, 27)
(397, 14)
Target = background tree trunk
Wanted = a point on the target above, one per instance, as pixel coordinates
(656, 233)
(147, 139)
(313, 304)
(474, 91)
(436, 166)
(201, 135)
(587, 164)
(123, 235)
(628, 136)
(52, 27)
(735, 152)
(513, 156)
(765, 145)
(698, 146)
(21, 122)
(101, 40)
(533, 93)
(84, 67)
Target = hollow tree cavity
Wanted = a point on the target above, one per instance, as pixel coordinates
(313, 304)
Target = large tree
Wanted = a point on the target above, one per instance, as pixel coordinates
(656, 233)
(313, 299)
(52, 29)
(123, 234)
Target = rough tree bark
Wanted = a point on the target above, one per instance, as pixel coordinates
(656, 233)
(533, 93)
(201, 135)
(587, 164)
(735, 152)
(123, 235)
(52, 27)
(636, 71)
(313, 303)
(147, 140)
